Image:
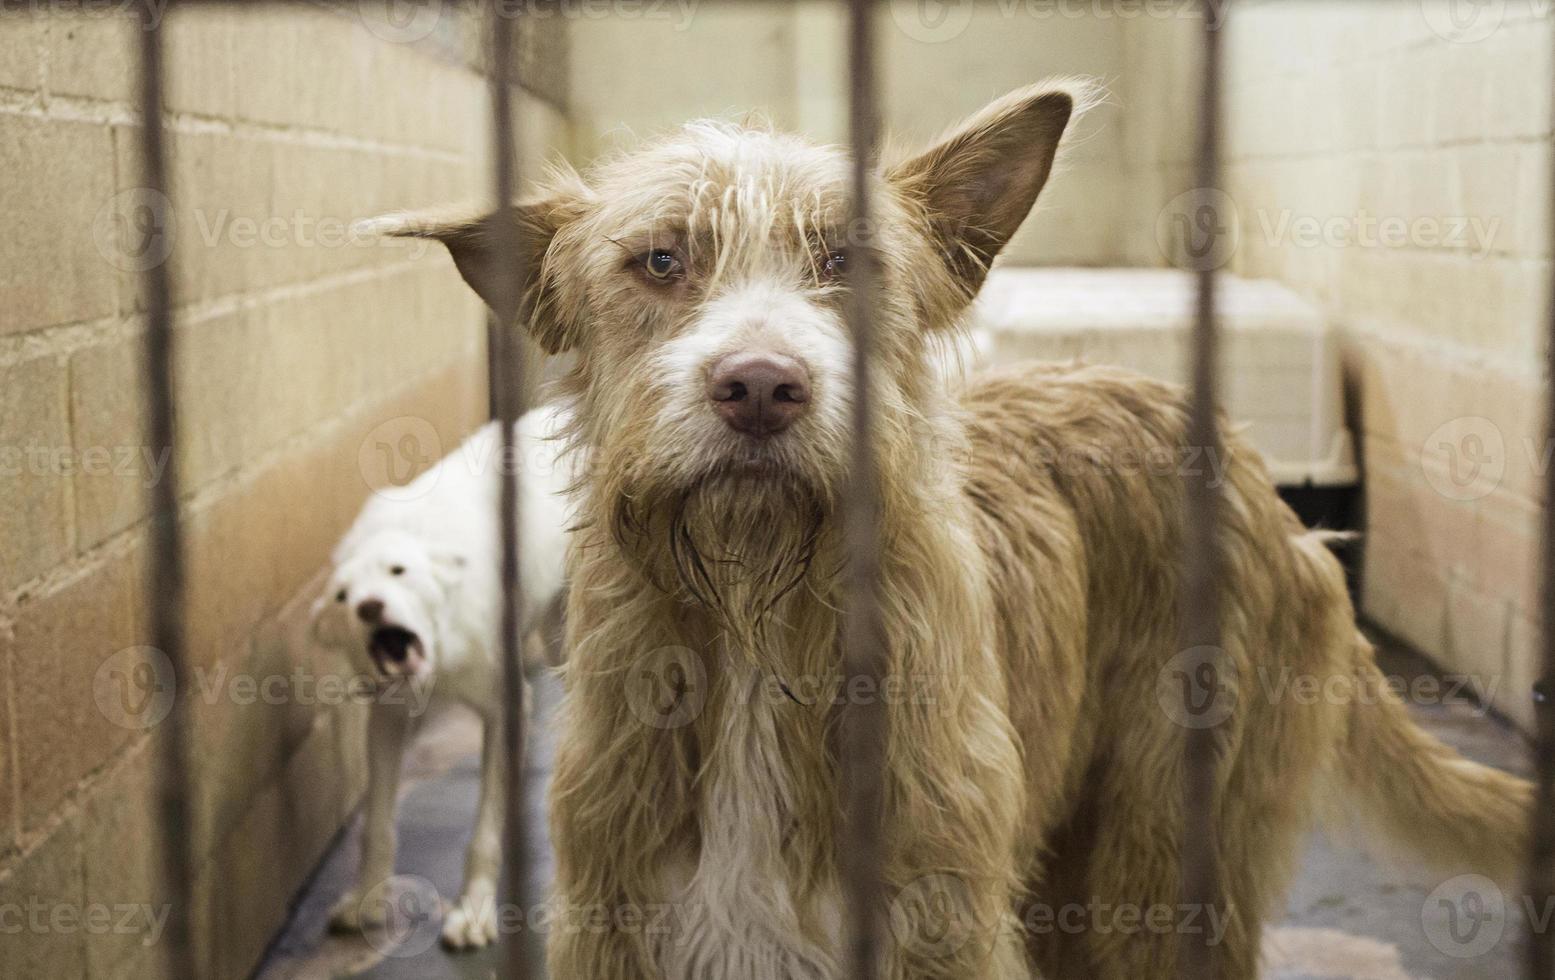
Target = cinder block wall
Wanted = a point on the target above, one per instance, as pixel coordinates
(311, 366)
(1394, 164)
(937, 63)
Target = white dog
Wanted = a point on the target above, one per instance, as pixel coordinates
(413, 597)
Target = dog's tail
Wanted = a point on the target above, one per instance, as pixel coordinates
(1419, 793)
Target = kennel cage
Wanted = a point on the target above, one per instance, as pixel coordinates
(1201, 582)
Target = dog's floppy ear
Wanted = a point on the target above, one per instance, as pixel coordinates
(505, 249)
(979, 182)
(326, 620)
(448, 565)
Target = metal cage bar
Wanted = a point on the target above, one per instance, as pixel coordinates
(860, 850)
(166, 574)
(1541, 849)
(506, 381)
(1200, 585)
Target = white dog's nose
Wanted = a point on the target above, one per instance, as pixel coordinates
(369, 610)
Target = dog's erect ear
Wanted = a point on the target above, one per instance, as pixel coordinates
(979, 182)
(504, 249)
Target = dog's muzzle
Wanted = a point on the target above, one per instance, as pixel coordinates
(396, 651)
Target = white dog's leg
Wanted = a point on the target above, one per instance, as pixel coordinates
(388, 728)
(472, 923)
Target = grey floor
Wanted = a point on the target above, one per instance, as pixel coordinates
(436, 812)
(1349, 917)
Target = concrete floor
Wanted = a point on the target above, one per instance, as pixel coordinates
(1349, 917)
(438, 793)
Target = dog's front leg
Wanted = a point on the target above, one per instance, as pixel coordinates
(367, 905)
(940, 929)
(472, 922)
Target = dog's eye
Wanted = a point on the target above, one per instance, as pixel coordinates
(836, 264)
(397, 570)
(661, 264)
(340, 596)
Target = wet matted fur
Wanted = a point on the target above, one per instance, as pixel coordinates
(1030, 536)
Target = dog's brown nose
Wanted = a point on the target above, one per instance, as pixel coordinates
(369, 610)
(758, 393)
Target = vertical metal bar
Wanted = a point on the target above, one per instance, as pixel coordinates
(167, 568)
(505, 377)
(863, 724)
(1541, 847)
(1201, 579)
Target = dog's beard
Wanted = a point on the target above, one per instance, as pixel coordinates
(737, 545)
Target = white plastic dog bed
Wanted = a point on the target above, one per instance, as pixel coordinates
(1279, 362)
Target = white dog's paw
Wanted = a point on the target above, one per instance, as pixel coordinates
(470, 923)
(353, 914)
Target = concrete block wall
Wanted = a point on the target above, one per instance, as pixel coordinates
(937, 63)
(1393, 163)
(304, 357)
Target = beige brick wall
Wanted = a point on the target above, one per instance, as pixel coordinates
(297, 348)
(1394, 165)
(937, 63)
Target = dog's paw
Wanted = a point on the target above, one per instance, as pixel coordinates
(470, 923)
(353, 914)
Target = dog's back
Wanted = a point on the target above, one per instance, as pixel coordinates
(454, 504)
(1076, 475)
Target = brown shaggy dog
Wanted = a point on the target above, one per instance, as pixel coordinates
(1031, 534)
